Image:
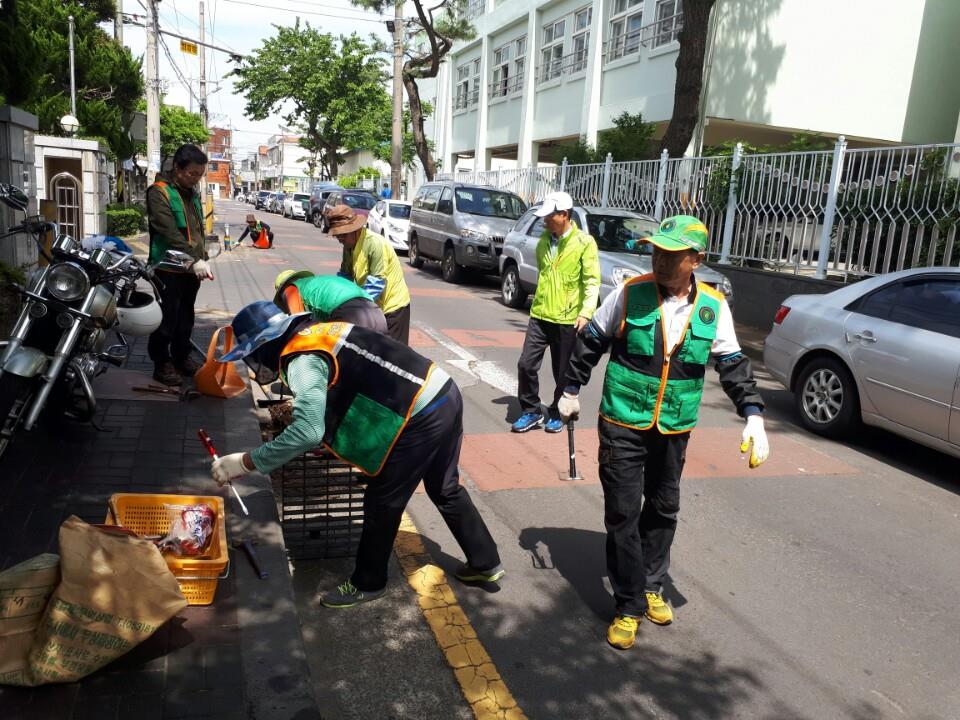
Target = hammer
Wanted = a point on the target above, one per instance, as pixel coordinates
(247, 545)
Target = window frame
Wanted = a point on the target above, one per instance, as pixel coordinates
(664, 37)
(627, 41)
(551, 63)
(580, 63)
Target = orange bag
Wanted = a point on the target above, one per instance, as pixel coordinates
(218, 379)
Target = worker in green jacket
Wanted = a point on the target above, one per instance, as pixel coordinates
(568, 287)
(370, 262)
(662, 330)
(176, 222)
(327, 298)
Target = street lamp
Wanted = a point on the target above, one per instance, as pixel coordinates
(69, 123)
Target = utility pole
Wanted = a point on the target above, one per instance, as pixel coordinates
(204, 115)
(118, 24)
(73, 81)
(151, 69)
(396, 141)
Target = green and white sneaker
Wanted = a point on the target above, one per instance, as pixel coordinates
(465, 573)
(347, 595)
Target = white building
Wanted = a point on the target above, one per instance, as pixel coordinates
(542, 72)
(285, 167)
(74, 175)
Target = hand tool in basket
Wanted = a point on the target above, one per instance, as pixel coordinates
(208, 444)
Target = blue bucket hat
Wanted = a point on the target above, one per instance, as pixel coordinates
(256, 325)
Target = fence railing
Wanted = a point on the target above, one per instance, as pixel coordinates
(846, 213)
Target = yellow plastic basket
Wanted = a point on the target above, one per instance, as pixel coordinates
(147, 514)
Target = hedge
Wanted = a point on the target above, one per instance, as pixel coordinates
(124, 220)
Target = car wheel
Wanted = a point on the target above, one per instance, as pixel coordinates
(451, 272)
(826, 398)
(510, 290)
(413, 254)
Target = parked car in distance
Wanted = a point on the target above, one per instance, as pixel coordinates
(293, 205)
(361, 201)
(240, 198)
(275, 203)
(318, 198)
(613, 229)
(305, 206)
(391, 218)
(461, 225)
(884, 351)
(260, 199)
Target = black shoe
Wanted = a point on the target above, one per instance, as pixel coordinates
(167, 374)
(467, 574)
(188, 368)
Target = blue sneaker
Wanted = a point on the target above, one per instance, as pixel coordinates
(554, 425)
(527, 421)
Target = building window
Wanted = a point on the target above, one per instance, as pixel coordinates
(669, 22)
(213, 167)
(475, 90)
(582, 20)
(551, 57)
(625, 28)
(507, 72)
(463, 87)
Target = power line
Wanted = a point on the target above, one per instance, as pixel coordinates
(379, 20)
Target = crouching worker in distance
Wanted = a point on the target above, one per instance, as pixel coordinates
(378, 405)
(327, 298)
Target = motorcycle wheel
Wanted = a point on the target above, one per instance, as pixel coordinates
(15, 393)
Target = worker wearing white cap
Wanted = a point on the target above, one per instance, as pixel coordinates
(568, 287)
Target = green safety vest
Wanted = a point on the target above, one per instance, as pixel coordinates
(646, 384)
(158, 243)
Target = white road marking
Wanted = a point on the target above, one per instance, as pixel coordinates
(485, 371)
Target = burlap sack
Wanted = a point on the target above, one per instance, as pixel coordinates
(24, 592)
(114, 592)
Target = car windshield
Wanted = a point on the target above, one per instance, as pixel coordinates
(263, 193)
(489, 203)
(614, 233)
(360, 200)
(401, 212)
(301, 196)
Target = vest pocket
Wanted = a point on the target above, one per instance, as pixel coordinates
(366, 433)
(629, 397)
(640, 336)
(681, 405)
(696, 346)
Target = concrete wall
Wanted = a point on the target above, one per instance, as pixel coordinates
(758, 293)
(17, 130)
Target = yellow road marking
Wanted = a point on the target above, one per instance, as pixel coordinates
(482, 686)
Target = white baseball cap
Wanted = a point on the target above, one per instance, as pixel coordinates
(553, 202)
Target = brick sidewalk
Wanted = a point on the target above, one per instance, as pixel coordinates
(242, 656)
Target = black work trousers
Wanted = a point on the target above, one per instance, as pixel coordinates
(398, 324)
(427, 449)
(542, 334)
(640, 474)
(178, 295)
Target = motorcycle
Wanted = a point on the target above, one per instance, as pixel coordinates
(58, 343)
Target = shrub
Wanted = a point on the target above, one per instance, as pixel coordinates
(123, 221)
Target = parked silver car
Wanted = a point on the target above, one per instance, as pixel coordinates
(622, 256)
(461, 225)
(885, 351)
(391, 218)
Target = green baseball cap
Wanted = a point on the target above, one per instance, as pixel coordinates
(680, 232)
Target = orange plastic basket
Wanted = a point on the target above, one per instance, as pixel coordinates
(147, 514)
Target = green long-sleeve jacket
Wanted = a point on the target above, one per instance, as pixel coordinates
(164, 233)
(568, 285)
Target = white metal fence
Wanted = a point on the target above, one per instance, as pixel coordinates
(846, 213)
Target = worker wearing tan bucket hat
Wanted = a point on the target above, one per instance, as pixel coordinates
(370, 262)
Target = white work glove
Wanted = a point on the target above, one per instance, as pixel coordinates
(228, 467)
(569, 407)
(754, 440)
(201, 268)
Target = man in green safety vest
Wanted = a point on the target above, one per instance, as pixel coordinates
(662, 329)
(176, 221)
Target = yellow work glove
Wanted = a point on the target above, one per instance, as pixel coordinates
(754, 441)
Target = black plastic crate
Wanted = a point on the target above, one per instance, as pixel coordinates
(321, 505)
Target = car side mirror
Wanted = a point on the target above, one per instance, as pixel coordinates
(445, 206)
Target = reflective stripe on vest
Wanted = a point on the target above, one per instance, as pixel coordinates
(648, 384)
(370, 395)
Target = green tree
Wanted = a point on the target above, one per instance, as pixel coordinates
(577, 152)
(108, 78)
(331, 88)
(179, 127)
(630, 138)
(408, 152)
(429, 36)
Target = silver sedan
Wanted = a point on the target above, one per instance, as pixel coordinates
(884, 351)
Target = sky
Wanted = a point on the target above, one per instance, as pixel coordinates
(240, 26)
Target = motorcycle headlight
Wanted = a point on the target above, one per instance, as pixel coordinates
(67, 282)
(725, 286)
(622, 274)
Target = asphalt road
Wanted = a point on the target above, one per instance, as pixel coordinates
(821, 585)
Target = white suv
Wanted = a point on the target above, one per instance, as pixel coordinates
(293, 205)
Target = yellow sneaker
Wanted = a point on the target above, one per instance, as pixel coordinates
(657, 610)
(623, 631)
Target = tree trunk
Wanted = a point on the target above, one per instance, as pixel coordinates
(686, 94)
(416, 121)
